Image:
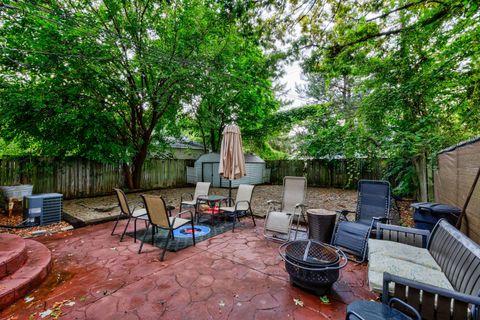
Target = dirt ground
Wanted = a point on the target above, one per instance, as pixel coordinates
(95, 209)
(98, 209)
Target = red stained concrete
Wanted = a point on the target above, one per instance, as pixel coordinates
(231, 276)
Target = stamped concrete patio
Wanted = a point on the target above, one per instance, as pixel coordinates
(231, 276)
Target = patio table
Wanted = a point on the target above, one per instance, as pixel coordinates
(213, 201)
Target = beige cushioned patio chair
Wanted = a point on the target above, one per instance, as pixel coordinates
(188, 200)
(158, 218)
(280, 214)
(135, 214)
(242, 204)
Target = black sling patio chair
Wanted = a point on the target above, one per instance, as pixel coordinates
(158, 218)
(373, 205)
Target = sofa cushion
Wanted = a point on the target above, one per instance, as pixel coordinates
(380, 263)
(402, 251)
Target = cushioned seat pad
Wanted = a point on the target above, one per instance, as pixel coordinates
(402, 251)
(380, 263)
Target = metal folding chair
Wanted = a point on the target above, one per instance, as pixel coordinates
(373, 205)
(280, 214)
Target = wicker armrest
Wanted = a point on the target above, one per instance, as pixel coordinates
(410, 236)
(416, 293)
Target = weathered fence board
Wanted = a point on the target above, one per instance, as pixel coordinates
(78, 177)
(338, 173)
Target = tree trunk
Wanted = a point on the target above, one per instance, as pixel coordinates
(420, 163)
(212, 140)
(128, 176)
(137, 165)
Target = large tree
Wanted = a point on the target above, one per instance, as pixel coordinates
(99, 79)
(415, 65)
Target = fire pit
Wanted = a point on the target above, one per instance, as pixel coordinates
(312, 265)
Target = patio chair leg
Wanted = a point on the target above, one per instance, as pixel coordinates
(125, 230)
(143, 239)
(235, 217)
(135, 231)
(253, 219)
(153, 233)
(162, 257)
(116, 222)
(193, 233)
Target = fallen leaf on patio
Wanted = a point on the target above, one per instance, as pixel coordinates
(221, 304)
(45, 313)
(28, 299)
(298, 302)
(325, 300)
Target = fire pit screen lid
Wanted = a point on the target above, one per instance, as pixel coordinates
(312, 253)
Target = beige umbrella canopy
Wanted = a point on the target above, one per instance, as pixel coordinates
(232, 161)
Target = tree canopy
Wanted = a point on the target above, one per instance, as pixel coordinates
(412, 69)
(102, 79)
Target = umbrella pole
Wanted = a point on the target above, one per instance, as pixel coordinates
(229, 193)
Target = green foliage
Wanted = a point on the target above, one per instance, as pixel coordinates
(105, 79)
(413, 80)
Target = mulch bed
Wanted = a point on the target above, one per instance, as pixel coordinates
(406, 213)
(16, 219)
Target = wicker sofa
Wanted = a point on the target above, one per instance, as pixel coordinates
(442, 269)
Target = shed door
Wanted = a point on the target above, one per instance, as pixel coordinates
(210, 173)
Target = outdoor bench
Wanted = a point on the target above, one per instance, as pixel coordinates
(441, 269)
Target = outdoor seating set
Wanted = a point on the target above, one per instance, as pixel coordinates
(419, 274)
(203, 203)
(427, 275)
(158, 215)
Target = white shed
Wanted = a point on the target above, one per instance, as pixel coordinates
(206, 169)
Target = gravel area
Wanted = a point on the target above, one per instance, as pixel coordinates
(96, 209)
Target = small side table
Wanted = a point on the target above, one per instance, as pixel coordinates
(213, 202)
(321, 223)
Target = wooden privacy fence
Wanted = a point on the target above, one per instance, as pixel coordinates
(78, 177)
(337, 173)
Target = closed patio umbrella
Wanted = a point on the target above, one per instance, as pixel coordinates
(232, 161)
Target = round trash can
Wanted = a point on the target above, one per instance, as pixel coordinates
(427, 214)
(321, 223)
